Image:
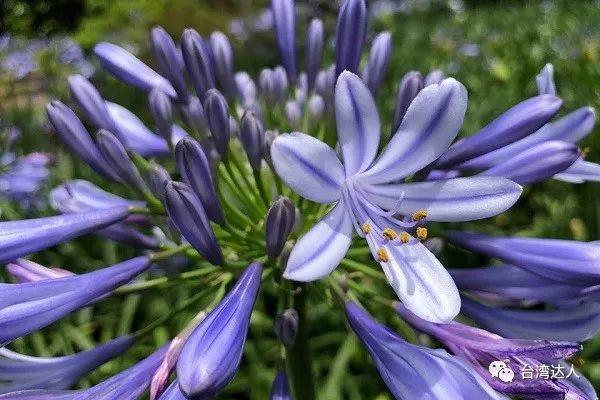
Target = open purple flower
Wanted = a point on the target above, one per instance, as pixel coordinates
(415, 372)
(368, 197)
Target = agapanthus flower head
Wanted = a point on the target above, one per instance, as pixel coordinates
(212, 354)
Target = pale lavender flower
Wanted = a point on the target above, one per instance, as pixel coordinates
(434, 77)
(24, 176)
(28, 271)
(315, 38)
(367, 194)
(379, 61)
(545, 80)
(410, 85)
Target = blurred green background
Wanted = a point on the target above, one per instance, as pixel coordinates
(494, 47)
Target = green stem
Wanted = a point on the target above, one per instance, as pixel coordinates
(351, 264)
(299, 363)
(261, 188)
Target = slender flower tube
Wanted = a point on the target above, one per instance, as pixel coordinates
(410, 85)
(537, 163)
(187, 214)
(76, 137)
(195, 171)
(252, 136)
(27, 307)
(91, 102)
(223, 58)
(158, 177)
(28, 271)
(581, 171)
(212, 354)
(411, 371)
(315, 39)
(545, 80)
(20, 238)
(217, 116)
(21, 372)
(114, 152)
(126, 67)
(516, 123)
(197, 61)
(281, 388)
(162, 113)
(566, 261)
(284, 24)
(350, 35)
(379, 61)
(169, 62)
(367, 197)
(480, 348)
(280, 221)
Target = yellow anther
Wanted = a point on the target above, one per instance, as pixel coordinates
(585, 151)
(404, 237)
(422, 233)
(383, 255)
(366, 227)
(389, 234)
(419, 215)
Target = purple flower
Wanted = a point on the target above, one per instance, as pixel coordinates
(217, 116)
(21, 372)
(284, 25)
(28, 271)
(24, 176)
(116, 155)
(315, 38)
(434, 77)
(27, 307)
(223, 60)
(126, 67)
(212, 354)
(565, 261)
(367, 196)
(379, 61)
(168, 58)
(91, 102)
(411, 371)
(410, 85)
(545, 80)
(350, 35)
(196, 54)
(162, 113)
(20, 238)
(281, 388)
(278, 225)
(480, 348)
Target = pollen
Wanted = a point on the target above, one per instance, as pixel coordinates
(422, 233)
(383, 255)
(404, 237)
(419, 215)
(366, 227)
(389, 234)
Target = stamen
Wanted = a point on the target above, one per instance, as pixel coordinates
(366, 227)
(419, 215)
(404, 237)
(383, 255)
(422, 233)
(389, 234)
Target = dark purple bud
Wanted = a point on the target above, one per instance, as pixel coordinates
(284, 25)
(196, 55)
(187, 214)
(286, 327)
(379, 61)
(193, 115)
(168, 58)
(293, 114)
(212, 354)
(76, 137)
(252, 136)
(516, 123)
(280, 84)
(217, 116)
(195, 171)
(91, 102)
(162, 112)
(434, 77)
(115, 154)
(409, 87)
(281, 388)
(270, 137)
(223, 62)
(158, 177)
(537, 163)
(350, 35)
(315, 38)
(279, 224)
(126, 67)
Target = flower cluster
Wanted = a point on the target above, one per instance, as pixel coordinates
(279, 180)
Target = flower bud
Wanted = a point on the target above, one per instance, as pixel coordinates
(223, 60)
(196, 55)
(246, 89)
(434, 77)
(279, 224)
(158, 177)
(286, 327)
(90, 102)
(195, 171)
(169, 62)
(281, 388)
(350, 35)
(217, 116)
(293, 114)
(379, 61)
(162, 112)
(316, 107)
(252, 136)
(212, 354)
(280, 85)
(116, 155)
(314, 51)
(193, 115)
(187, 214)
(284, 21)
(545, 80)
(409, 87)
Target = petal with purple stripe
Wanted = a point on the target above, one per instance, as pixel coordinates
(581, 171)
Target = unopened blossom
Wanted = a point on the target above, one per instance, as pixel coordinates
(281, 388)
